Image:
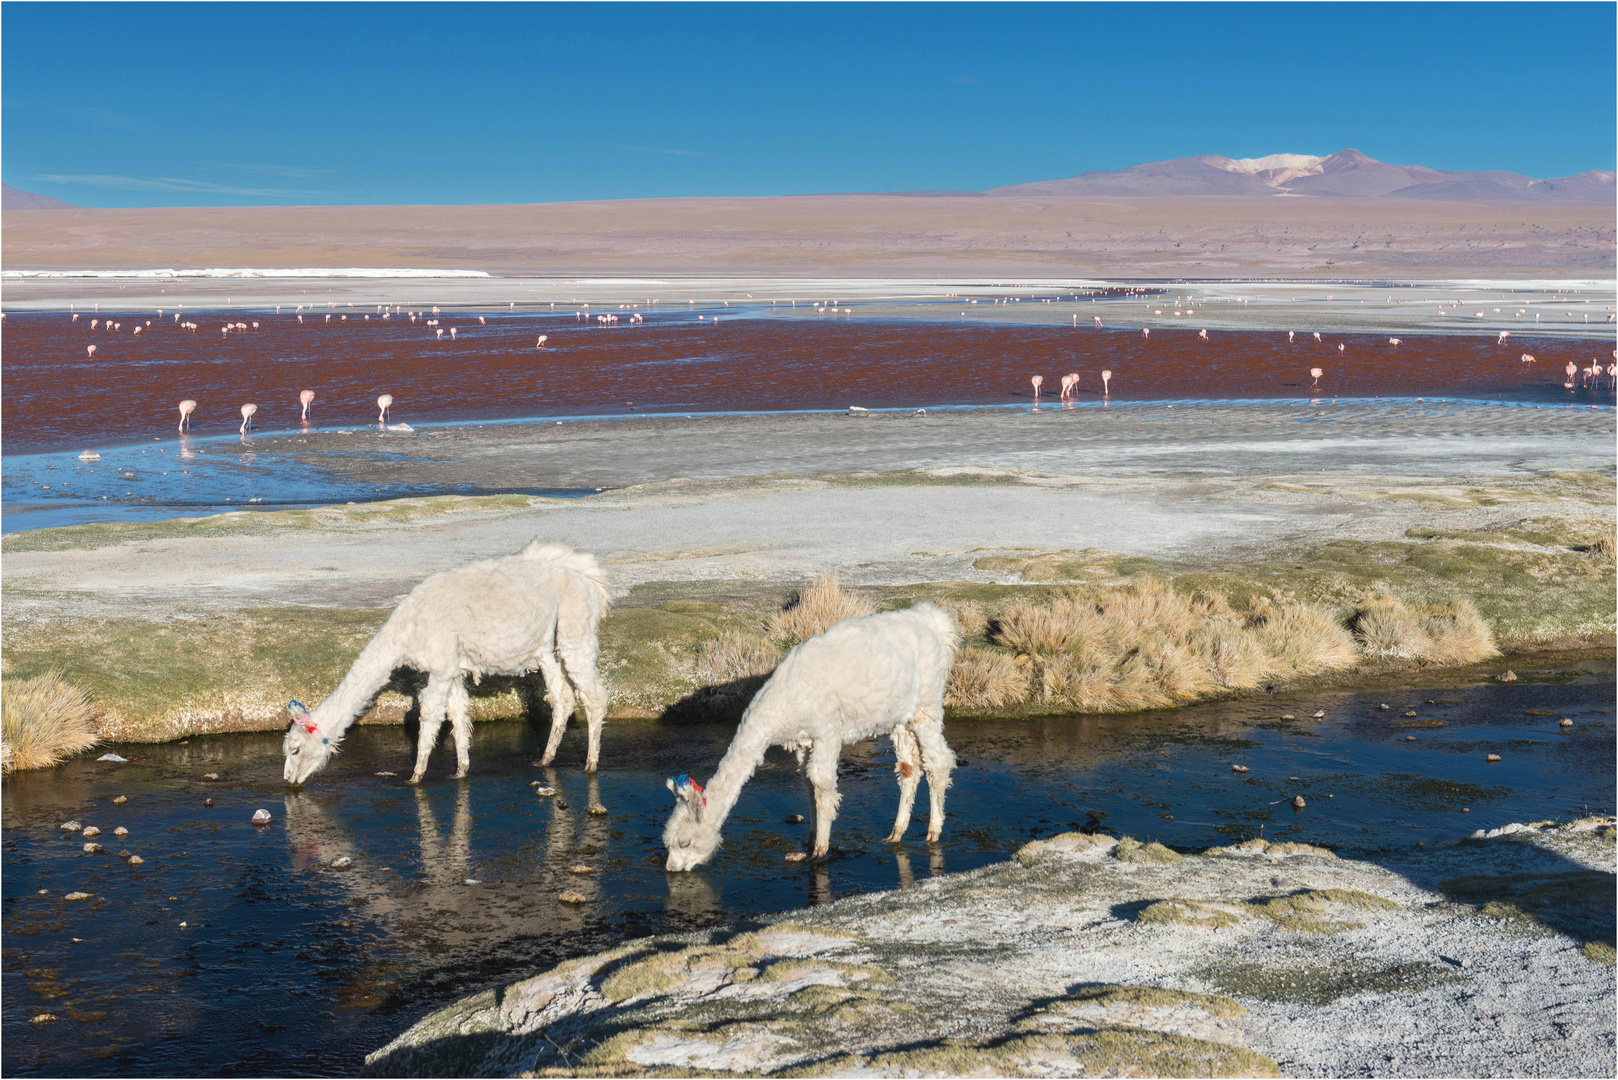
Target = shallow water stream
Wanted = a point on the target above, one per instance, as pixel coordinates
(240, 950)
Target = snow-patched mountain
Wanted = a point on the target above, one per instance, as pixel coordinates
(1347, 173)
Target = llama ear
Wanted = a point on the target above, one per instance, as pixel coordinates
(669, 783)
(295, 707)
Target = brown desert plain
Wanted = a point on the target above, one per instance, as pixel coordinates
(850, 235)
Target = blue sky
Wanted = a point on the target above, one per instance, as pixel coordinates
(260, 103)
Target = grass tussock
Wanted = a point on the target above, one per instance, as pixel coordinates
(736, 654)
(985, 679)
(1145, 645)
(42, 721)
(816, 608)
(1452, 633)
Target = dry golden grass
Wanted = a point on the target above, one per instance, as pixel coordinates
(816, 608)
(42, 721)
(1452, 633)
(736, 655)
(985, 679)
(1147, 646)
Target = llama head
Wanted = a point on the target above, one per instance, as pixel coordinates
(691, 834)
(306, 748)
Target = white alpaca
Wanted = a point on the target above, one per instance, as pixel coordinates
(538, 609)
(875, 675)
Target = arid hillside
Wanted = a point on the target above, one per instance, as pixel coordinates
(849, 235)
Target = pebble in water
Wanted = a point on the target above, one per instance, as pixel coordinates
(261, 817)
(1567, 723)
(580, 869)
(1411, 712)
(120, 831)
(572, 898)
(1320, 714)
(43, 1018)
(92, 831)
(341, 861)
(135, 860)
(1507, 676)
(1298, 803)
(1492, 758)
(795, 856)
(72, 826)
(207, 802)
(123, 854)
(544, 792)
(387, 774)
(1239, 769)
(1381, 706)
(210, 776)
(1288, 716)
(120, 800)
(596, 809)
(794, 819)
(93, 849)
(77, 896)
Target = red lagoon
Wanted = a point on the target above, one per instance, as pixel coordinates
(59, 395)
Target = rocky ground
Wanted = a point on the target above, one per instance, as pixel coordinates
(1090, 956)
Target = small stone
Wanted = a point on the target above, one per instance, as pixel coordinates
(1567, 723)
(135, 860)
(77, 896)
(120, 831)
(210, 776)
(796, 856)
(1492, 758)
(1507, 676)
(43, 1018)
(120, 800)
(184, 924)
(794, 819)
(571, 897)
(44, 892)
(1288, 716)
(207, 802)
(1320, 714)
(544, 792)
(1410, 738)
(341, 861)
(472, 881)
(72, 826)
(561, 804)
(1240, 769)
(1298, 803)
(114, 758)
(387, 774)
(93, 849)
(595, 809)
(1466, 809)
(92, 831)
(261, 817)
(123, 854)
(1411, 712)
(580, 869)
(1384, 707)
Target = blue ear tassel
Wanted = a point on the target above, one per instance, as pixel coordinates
(296, 706)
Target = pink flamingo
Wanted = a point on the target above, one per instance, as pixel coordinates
(1097, 319)
(1289, 337)
(1571, 370)
(384, 403)
(90, 351)
(247, 416)
(1146, 331)
(1203, 334)
(306, 398)
(1503, 335)
(1528, 358)
(1106, 379)
(1395, 341)
(1317, 335)
(1341, 346)
(1069, 381)
(187, 407)
(1316, 373)
(540, 344)
(1038, 381)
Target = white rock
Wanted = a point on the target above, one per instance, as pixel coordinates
(261, 817)
(113, 758)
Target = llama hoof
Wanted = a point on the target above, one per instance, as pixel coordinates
(896, 838)
(545, 761)
(461, 775)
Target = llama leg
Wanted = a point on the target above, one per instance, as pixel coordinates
(907, 764)
(822, 774)
(560, 696)
(434, 701)
(460, 725)
(578, 656)
(938, 760)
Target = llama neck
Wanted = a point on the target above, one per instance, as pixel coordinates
(746, 753)
(371, 671)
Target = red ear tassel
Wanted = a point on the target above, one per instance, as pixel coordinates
(312, 729)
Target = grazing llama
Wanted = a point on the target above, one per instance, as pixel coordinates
(538, 609)
(875, 675)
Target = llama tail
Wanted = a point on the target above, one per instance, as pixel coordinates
(585, 565)
(938, 620)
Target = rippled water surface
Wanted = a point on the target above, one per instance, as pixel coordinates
(286, 965)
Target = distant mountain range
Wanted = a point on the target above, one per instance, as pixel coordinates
(12, 199)
(1345, 174)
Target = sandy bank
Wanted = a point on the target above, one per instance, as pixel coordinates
(1085, 956)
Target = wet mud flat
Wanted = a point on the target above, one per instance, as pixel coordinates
(292, 960)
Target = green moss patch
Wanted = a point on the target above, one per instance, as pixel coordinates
(1323, 981)
(1579, 904)
(1130, 850)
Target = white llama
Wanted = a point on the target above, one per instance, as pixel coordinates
(538, 609)
(875, 675)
